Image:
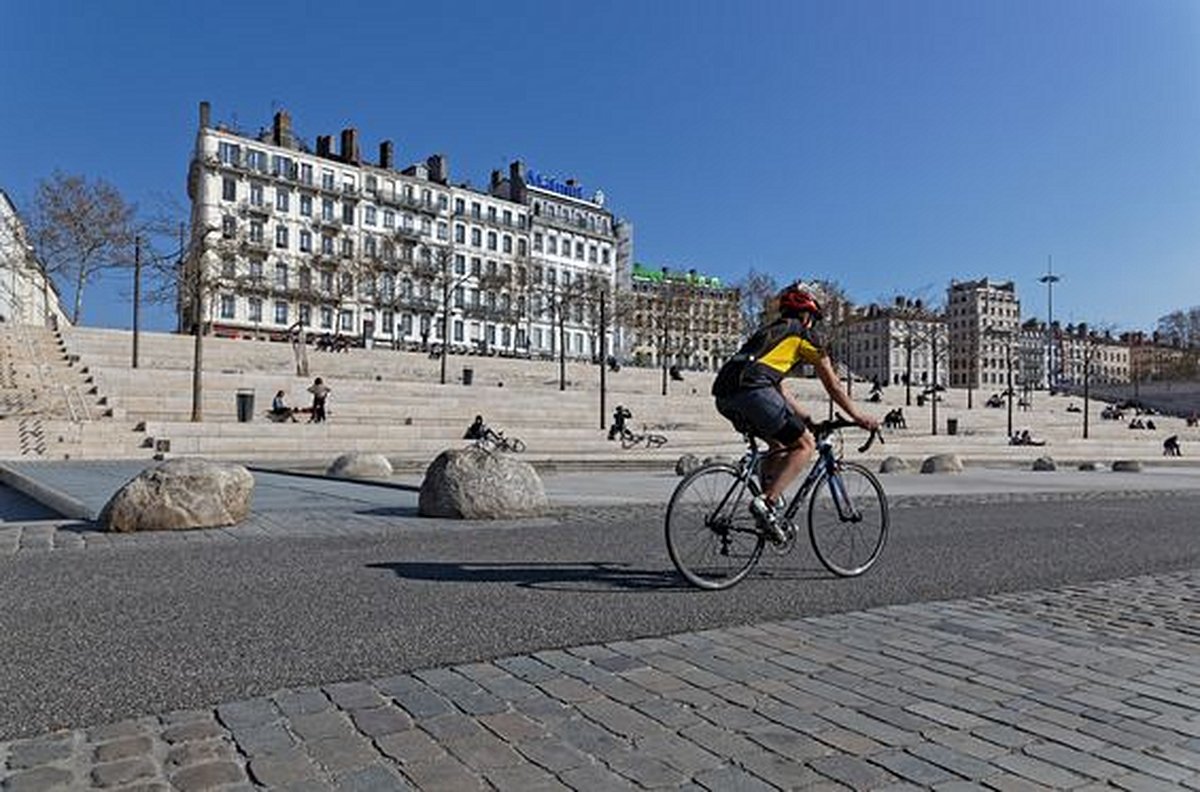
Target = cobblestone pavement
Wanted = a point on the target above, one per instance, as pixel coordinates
(1079, 687)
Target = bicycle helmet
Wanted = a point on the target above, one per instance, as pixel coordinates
(798, 298)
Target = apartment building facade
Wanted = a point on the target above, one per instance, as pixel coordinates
(679, 318)
(982, 320)
(284, 237)
(897, 344)
(27, 294)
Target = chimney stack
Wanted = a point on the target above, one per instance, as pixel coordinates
(495, 180)
(439, 171)
(281, 131)
(350, 146)
(387, 155)
(516, 181)
(205, 111)
(324, 145)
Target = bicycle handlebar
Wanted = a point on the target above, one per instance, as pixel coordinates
(825, 428)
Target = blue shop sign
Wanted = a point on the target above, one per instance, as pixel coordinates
(536, 179)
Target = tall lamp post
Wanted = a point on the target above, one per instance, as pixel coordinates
(1049, 279)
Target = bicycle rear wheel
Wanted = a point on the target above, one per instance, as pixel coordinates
(711, 535)
(655, 440)
(629, 440)
(516, 445)
(848, 520)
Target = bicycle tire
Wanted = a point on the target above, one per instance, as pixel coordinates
(708, 520)
(655, 440)
(848, 547)
(516, 445)
(630, 440)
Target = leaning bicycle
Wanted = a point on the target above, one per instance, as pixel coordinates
(631, 439)
(714, 540)
(493, 439)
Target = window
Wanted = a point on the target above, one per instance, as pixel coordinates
(458, 296)
(507, 244)
(578, 251)
(305, 278)
(387, 322)
(443, 231)
(305, 314)
(256, 231)
(369, 216)
(281, 236)
(326, 179)
(475, 209)
(306, 174)
(370, 246)
(347, 247)
(256, 160)
(476, 265)
(537, 241)
(326, 245)
(521, 247)
(228, 268)
(281, 275)
(327, 209)
(459, 206)
(552, 245)
(370, 184)
(256, 194)
(491, 240)
(460, 264)
(348, 213)
(327, 283)
(346, 282)
(604, 255)
(389, 218)
(507, 217)
(254, 305)
(426, 226)
(491, 214)
(256, 269)
(476, 237)
(426, 198)
(458, 330)
(326, 317)
(228, 226)
(282, 166)
(460, 234)
(229, 153)
(228, 189)
(281, 312)
(592, 253)
(346, 320)
(306, 241)
(306, 205)
(228, 306)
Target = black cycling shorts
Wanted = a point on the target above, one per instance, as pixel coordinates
(762, 412)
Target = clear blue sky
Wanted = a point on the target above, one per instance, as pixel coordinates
(889, 145)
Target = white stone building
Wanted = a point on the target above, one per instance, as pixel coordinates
(983, 320)
(284, 237)
(885, 341)
(27, 295)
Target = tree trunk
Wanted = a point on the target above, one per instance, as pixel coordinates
(78, 308)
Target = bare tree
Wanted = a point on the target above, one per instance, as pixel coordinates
(81, 228)
(757, 289)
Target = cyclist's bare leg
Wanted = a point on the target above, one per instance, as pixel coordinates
(780, 469)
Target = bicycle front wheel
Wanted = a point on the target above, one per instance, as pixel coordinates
(516, 445)
(848, 519)
(711, 535)
(655, 440)
(630, 440)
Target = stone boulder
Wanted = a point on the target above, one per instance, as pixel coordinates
(686, 464)
(357, 465)
(1044, 463)
(1127, 466)
(475, 484)
(942, 463)
(893, 464)
(1089, 467)
(179, 495)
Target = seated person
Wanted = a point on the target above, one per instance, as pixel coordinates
(279, 409)
(476, 430)
(1150, 424)
(1171, 446)
(675, 374)
(1027, 439)
(1073, 408)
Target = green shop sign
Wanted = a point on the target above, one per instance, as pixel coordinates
(643, 273)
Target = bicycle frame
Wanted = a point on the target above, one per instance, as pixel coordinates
(824, 466)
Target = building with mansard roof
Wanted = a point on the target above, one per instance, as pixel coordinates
(286, 237)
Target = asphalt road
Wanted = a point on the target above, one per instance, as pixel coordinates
(104, 634)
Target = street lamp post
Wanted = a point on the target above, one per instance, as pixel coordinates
(1049, 279)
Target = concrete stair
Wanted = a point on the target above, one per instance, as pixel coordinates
(392, 402)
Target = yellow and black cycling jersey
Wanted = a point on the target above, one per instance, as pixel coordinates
(768, 356)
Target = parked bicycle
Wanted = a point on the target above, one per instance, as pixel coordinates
(493, 439)
(714, 541)
(631, 439)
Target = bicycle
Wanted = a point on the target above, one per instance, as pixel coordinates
(498, 441)
(630, 440)
(714, 541)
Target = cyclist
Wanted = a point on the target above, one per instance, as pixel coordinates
(749, 392)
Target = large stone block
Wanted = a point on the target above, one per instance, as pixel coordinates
(357, 465)
(476, 484)
(1044, 464)
(942, 463)
(893, 464)
(686, 464)
(179, 495)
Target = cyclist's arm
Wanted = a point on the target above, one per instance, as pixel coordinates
(833, 386)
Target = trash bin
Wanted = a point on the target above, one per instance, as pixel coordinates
(920, 400)
(468, 376)
(245, 405)
(952, 426)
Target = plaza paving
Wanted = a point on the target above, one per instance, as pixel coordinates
(1084, 686)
